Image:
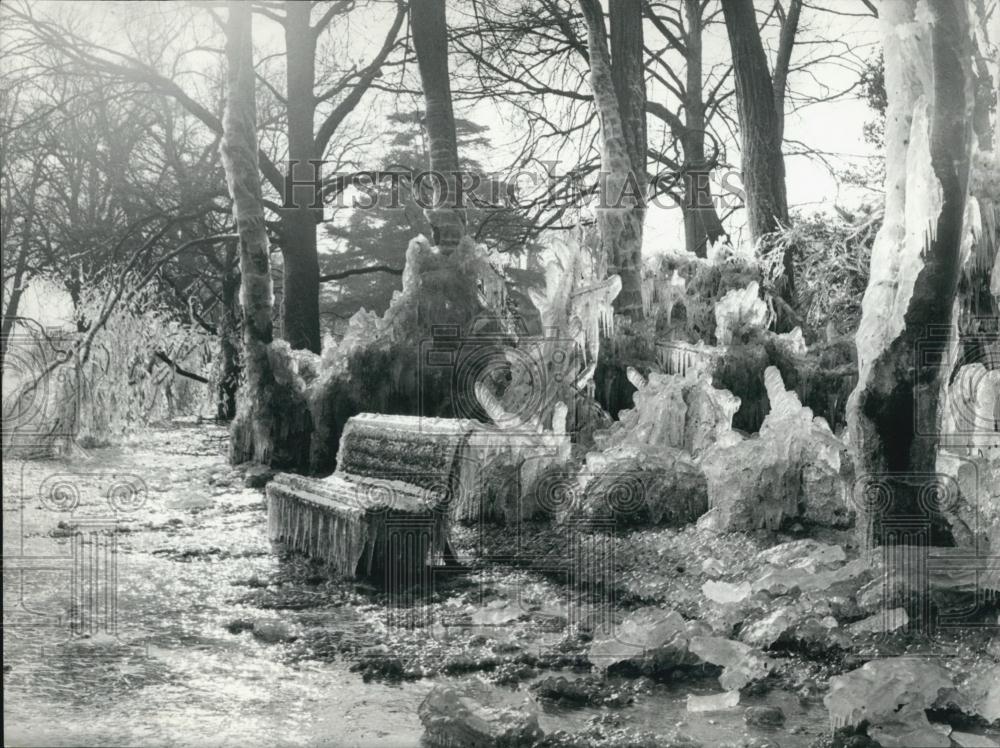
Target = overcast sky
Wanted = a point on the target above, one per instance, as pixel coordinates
(836, 127)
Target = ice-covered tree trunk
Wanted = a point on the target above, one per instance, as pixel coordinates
(907, 335)
(229, 341)
(272, 423)
(430, 42)
(623, 191)
(980, 286)
(995, 227)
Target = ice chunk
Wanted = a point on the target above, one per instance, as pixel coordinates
(888, 620)
(713, 567)
(792, 467)
(971, 740)
(880, 690)
(802, 553)
(741, 663)
(724, 592)
(714, 702)
(781, 581)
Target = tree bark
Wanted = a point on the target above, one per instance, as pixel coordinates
(763, 164)
(623, 191)
(758, 99)
(628, 77)
(297, 225)
(229, 336)
(430, 42)
(702, 225)
(907, 328)
(271, 426)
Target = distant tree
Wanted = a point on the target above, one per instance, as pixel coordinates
(375, 238)
(873, 89)
(307, 115)
(20, 179)
(700, 103)
(99, 176)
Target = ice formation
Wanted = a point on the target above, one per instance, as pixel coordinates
(578, 300)
(740, 310)
(792, 466)
(682, 412)
(891, 695)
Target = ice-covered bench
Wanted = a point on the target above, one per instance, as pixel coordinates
(400, 480)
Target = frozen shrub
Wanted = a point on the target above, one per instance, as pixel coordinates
(128, 380)
(375, 367)
(832, 256)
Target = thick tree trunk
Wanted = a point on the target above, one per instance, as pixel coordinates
(628, 77)
(763, 164)
(907, 330)
(271, 425)
(980, 300)
(702, 225)
(622, 199)
(430, 42)
(300, 296)
(761, 124)
(300, 280)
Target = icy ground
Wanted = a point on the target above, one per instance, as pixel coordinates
(205, 636)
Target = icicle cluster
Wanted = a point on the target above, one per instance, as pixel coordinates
(664, 292)
(678, 357)
(578, 298)
(316, 526)
(395, 474)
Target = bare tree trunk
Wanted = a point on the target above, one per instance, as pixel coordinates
(760, 104)
(300, 297)
(628, 77)
(620, 215)
(702, 225)
(907, 325)
(430, 42)
(779, 80)
(271, 424)
(763, 165)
